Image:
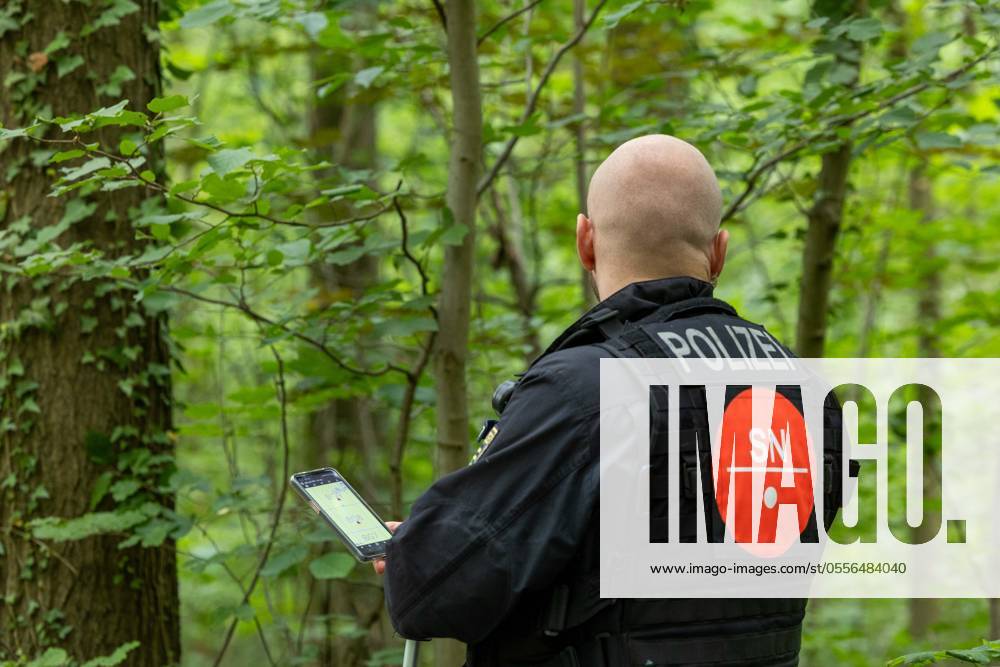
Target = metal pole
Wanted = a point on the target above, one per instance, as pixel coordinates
(411, 653)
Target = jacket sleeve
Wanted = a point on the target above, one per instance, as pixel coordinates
(484, 535)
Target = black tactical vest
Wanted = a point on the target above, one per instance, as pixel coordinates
(570, 625)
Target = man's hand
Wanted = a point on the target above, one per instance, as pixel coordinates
(379, 564)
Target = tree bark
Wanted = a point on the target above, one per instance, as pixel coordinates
(60, 410)
(924, 611)
(456, 284)
(454, 303)
(580, 139)
(823, 229)
(826, 215)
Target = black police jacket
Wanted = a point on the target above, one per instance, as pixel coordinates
(487, 548)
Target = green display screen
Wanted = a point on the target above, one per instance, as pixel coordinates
(350, 515)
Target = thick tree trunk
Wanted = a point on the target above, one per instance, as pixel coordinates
(464, 168)
(59, 410)
(924, 611)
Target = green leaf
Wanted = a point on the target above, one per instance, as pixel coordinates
(228, 160)
(454, 235)
(101, 486)
(13, 134)
(274, 257)
(165, 104)
(334, 565)
(87, 168)
(99, 448)
(295, 251)
(928, 140)
(365, 77)
(60, 42)
(66, 65)
(116, 658)
(614, 18)
(283, 560)
(207, 14)
(862, 30)
(62, 156)
(53, 657)
(124, 489)
(88, 525)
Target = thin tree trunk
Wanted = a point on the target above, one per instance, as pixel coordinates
(87, 596)
(825, 217)
(924, 611)
(464, 167)
(456, 284)
(824, 221)
(580, 138)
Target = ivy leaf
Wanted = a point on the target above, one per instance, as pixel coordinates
(99, 448)
(100, 489)
(228, 160)
(116, 658)
(124, 489)
(66, 65)
(334, 565)
(88, 525)
(53, 657)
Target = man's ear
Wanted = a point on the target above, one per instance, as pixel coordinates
(719, 247)
(585, 242)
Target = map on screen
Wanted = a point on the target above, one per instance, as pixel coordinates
(349, 513)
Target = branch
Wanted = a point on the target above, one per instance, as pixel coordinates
(260, 319)
(755, 172)
(536, 93)
(505, 20)
(424, 280)
(283, 402)
(441, 15)
(412, 377)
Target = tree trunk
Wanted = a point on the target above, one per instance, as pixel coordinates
(464, 167)
(924, 611)
(63, 379)
(826, 214)
(456, 282)
(580, 138)
(344, 134)
(824, 220)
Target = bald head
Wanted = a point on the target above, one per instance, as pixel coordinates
(654, 207)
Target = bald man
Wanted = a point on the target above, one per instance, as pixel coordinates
(503, 554)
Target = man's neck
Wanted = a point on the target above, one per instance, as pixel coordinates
(606, 288)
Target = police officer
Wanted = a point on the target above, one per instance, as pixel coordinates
(503, 554)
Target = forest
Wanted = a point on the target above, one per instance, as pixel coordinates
(243, 238)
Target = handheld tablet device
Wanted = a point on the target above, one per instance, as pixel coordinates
(357, 525)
